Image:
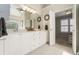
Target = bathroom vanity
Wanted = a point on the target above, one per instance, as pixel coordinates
(20, 43)
(28, 39)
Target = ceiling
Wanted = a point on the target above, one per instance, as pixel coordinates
(44, 5)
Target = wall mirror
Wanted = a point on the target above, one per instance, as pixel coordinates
(46, 17)
(38, 19)
(24, 18)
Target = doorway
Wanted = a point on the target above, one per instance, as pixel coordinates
(64, 29)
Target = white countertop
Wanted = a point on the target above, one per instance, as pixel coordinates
(3, 37)
(20, 33)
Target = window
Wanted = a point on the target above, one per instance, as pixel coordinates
(71, 25)
(66, 25)
(64, 29)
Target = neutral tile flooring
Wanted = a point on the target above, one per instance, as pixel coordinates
(52, 50)
(63, 41)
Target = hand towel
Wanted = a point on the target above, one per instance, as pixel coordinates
(4, 31)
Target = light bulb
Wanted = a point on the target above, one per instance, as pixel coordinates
(31, 10)
(25, 7)
(28, 9)
(34, 12)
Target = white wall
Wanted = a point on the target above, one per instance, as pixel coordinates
(77, 27)
(5, 11)
(55, 8)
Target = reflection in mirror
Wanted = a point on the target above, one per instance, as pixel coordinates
(12, 26)
(23, 18)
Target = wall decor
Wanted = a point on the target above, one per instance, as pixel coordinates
(46, 17)
(38, 19)
(39, 27)
(46, 27)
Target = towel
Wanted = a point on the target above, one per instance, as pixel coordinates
(0, 28)
(3, 30)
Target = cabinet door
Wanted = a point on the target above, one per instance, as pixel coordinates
(1, 47)
(43, 37)
(35, 40)
(13, 45)
(27, 42)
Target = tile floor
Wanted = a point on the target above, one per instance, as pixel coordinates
(52, 50)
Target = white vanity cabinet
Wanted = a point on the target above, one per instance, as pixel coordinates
(27, 42)
(1, 47)
(35, 41)
(43, 38)
(13, 44)
(24, 43)
(39, 39)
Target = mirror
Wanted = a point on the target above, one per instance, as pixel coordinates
(38, 19)
(46, 17)
(30, 20)
(23, 18)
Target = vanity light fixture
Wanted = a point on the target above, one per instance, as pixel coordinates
(28, 9)
(31, 10)
(68, 12)
(25, 7)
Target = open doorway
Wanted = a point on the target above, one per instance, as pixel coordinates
(64, 28)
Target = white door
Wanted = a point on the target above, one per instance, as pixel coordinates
(52, 28)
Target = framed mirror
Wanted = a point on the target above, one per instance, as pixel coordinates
(38, 19)
(46, 17)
